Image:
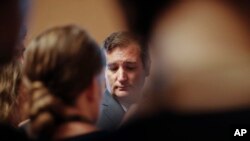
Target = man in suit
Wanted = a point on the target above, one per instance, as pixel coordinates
(125, 73)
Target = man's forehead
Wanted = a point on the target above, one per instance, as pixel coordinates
(132, 48)
(124, 54)
(129, 61)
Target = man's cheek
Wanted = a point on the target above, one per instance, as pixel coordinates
(109, 79)
(135, 78)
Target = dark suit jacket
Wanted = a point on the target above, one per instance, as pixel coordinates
(111, 113)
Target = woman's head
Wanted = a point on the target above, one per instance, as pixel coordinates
(61, 65)
(65, 60)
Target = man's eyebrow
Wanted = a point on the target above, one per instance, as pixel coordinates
(130, 62)
(111, 64)
(125, 62)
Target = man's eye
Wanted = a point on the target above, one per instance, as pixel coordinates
(131, 68)
(112, 68)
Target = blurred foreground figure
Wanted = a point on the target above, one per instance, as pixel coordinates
(12, 100)
(205, 52)
(10, 78)
(203, 68)
(64, 76)
(12, 15)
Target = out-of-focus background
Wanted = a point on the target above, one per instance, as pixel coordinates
(98, 17)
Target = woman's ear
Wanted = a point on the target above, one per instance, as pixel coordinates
(92, 90)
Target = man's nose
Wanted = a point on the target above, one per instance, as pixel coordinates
(122, 75)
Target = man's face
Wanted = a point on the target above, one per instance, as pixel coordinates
(124, 72)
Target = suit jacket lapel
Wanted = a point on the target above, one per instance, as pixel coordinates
(112, 108)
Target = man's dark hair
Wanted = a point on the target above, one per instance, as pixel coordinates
(123, 39)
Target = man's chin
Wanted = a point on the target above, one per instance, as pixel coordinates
(122, 94)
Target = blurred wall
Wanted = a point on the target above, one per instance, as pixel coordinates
(98, 17)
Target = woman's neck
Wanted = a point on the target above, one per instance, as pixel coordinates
(72, 129)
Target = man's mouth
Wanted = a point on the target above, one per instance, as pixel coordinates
(122, 88)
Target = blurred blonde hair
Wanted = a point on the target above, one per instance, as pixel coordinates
(10, 76)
